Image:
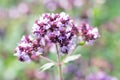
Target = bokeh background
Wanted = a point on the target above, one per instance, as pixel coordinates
(100, 61)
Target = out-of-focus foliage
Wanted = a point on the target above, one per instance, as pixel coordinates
(17, 18)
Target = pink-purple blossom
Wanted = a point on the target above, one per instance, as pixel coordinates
(55, 28)
(100, 75)
(27, 49)
(58, 29)
(53, 5)
(88, 34)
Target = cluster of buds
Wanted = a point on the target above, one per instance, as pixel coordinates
(53, 5)
(87, 33)
(52, 29)
(100, 75)
(55, 28)
(28, 48)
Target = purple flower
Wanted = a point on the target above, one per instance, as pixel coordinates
(88, 33)
(51, 29)
(27, 48)
(73, 69)
(55, 28)
(100, 76)
(51, 5)
(23, 50)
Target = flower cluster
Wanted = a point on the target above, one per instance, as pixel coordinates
(73, 69)
(51, 29)
(53, 5)
(55, 28)
(27, 49)
(88, 33)
(100, 75)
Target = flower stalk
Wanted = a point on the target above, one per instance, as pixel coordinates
(47, 59)
(59, 64)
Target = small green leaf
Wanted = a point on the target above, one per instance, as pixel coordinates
(46, 66)
(71, 58)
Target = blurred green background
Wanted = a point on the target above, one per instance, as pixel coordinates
(18, 16)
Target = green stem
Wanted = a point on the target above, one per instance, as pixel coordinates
(47, 59)
(59, 64)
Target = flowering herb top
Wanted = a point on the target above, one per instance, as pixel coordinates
(51, 29)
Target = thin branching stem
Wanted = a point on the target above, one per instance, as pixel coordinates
(59, 63)
(47, 59)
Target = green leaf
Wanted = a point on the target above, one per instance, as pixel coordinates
(71, 58)
(46, 66)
